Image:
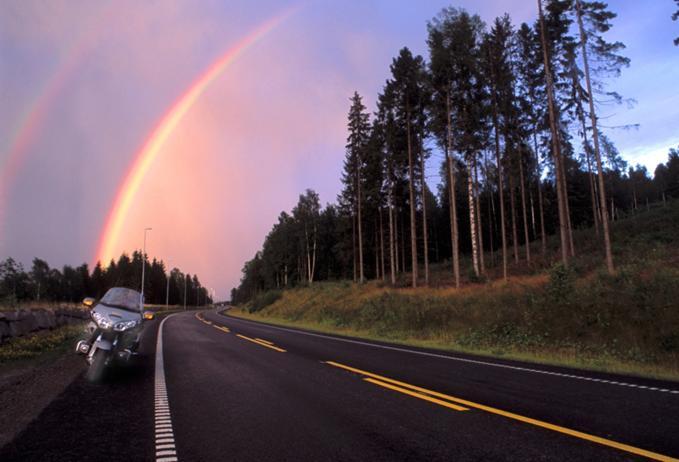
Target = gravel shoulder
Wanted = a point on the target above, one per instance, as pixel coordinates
(26, 388)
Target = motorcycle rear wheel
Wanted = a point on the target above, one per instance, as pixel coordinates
(96, 370)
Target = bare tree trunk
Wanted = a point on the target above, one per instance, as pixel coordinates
(313, 260)
(353, 245)
(532, 211)
(556, 148)
(360, 222)
(543, 235)
(482, 263)
(454, 237)
(377, 253)
(512, 205)
(503, 231)
(424, 218)
(472, 216)
(392, 243)
(403, 244)
(413, 218)
(491, 210)
(399, 268)
(595, 136)
(564, 185)
(381, 244)
(523, 207)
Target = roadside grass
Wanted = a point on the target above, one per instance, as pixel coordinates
(579, 317)
(39, 344)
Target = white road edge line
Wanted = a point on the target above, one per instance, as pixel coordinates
(163, 420)
(455, 358)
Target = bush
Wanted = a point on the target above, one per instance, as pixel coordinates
(263, 300)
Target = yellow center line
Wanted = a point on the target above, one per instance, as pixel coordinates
(260, 343)
(263, 341)
(417, 395)
(511, 415)
(224, 329)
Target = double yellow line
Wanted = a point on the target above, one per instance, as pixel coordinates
(448, 400)
(264, 343)
(258, 341)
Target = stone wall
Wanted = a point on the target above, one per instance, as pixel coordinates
(23, 322)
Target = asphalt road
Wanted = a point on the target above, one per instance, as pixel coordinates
(229, 389)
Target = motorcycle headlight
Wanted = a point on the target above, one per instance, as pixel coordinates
(102, 321)
(125, 325)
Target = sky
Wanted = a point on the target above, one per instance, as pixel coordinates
(84, 85)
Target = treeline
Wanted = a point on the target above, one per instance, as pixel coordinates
(72, 284)
(510, 116)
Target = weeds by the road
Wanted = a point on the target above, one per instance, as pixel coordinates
(39, 343)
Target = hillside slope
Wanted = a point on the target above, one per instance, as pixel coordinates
(580, 317)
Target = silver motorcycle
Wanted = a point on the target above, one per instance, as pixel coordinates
(114, 330)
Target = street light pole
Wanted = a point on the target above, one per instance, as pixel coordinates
(167, 289)
(143, 270)
(185, 292)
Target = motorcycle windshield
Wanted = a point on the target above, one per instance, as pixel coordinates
(123, 298)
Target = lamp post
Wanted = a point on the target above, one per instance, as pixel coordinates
(167, 291)
(143, 270)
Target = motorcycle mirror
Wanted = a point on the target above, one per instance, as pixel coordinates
(88, 302)
(149, 315)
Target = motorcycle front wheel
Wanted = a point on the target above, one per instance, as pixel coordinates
(96, 371)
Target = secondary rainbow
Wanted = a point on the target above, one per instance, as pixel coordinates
(28, 128)
(168, 123)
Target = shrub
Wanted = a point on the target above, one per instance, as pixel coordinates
(263, 300)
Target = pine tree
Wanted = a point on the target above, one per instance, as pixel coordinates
(357, 143)
(408, 83)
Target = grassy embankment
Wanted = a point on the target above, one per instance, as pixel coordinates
(580, 317)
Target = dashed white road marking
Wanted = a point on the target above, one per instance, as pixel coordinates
(165, 448)
(464, 360)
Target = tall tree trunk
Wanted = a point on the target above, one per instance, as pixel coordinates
(473, 229)
(523, 207)
(543, 235)
(424, 216)
(491, 210)
(595, 136)
(454, 237)
(500, 180)
(556, 148)
(564, 185)
(512, 205)
(397, 241)
(381, 244)
(392, 241)
(482, 263)
(353, 245)
(376, 249)
(403, 244)
(313, 260)
(360, 222)
(413, 217)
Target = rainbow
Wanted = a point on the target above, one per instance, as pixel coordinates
(41, 105)
(168, 123)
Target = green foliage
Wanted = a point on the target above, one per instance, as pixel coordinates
(45, 284)
(263, 300)
(39, 343)
(561, 284)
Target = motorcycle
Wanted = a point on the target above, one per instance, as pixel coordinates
(114, 330)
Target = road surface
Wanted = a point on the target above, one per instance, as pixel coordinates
(230, 389)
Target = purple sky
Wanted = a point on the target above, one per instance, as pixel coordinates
(272, 125)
